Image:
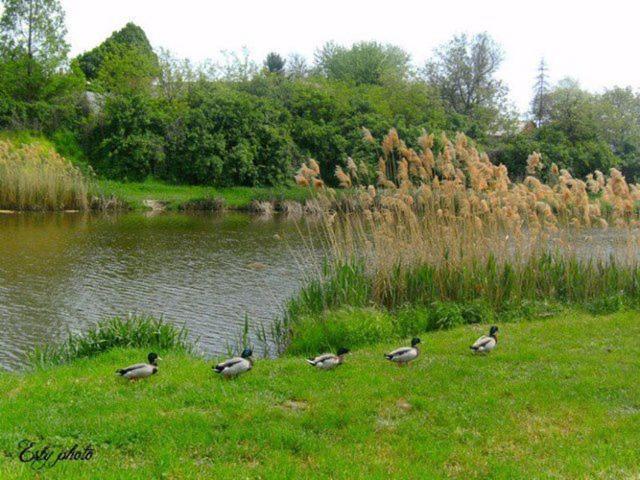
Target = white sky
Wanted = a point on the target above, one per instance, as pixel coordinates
(595, 42)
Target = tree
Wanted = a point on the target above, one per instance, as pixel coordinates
(34, 30)
(618, 115)
(130, 36)
(540, 102)
(274, 63)
(127, 69)
(297, 66)
(463, 72)
(363, 63)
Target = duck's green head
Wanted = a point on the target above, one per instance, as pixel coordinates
(343, 351)
(493, 330)
(153, 358)
(415, 341)
(246, 353)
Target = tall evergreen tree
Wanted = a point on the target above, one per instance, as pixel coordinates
(540, 103)
(274, 63)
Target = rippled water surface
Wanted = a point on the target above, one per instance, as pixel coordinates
(64, 272)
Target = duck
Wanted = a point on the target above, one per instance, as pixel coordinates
(328, 361)
(404, 355)
(486, 343)
(141, 370)
(235, 366)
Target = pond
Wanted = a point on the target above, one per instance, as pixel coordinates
(64, 272)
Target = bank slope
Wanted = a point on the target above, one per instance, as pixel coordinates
(557, 399)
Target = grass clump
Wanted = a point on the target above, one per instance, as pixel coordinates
(132, 331)
(34, 177)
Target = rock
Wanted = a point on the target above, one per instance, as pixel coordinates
(155, 205)
(262, 208)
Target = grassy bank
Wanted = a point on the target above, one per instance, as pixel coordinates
(557, 399)
(175, 197)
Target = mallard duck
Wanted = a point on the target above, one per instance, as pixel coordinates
(328, 361)
(235, 366)
(141, 370)
(403, 355)
(486, 343)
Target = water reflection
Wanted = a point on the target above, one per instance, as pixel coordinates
(63, 272)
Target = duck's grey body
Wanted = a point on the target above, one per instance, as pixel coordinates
(233, 367)
(486, 343)
(236, 365)
(404, 355)
(328, 361)
(140, 370)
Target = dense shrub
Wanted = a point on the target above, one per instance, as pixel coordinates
(225, 137)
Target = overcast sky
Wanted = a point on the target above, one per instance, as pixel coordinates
(594, 42)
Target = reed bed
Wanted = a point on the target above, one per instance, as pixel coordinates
(443, 225)
(35, 177)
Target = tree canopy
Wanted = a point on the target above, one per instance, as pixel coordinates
(129, 37)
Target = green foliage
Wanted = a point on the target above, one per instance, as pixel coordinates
(131, 37)
(274, 63)
(127, 69)
(363, 63)
(464, 74)
(133, 331)
(226, 137)
(128, 143)
(34, 31)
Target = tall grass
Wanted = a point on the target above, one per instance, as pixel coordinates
(444, 228)
(34, 177)
(133, 331)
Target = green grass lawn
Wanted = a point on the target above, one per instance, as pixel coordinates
(134, 193)
(559, 398)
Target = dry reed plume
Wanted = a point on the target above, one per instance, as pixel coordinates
(460, 183)
(447, 224)
(33, 177)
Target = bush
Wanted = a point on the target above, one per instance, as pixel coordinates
(226, 138)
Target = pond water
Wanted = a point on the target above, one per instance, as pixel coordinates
(63, 272)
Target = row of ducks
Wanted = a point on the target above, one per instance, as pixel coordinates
(237, 365)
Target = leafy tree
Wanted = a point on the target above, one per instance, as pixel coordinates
(618, 118)
(463, 72)
(129, 37)
(175, 75)
(128, 142)
(274, 63)
(35, 30)
(127, 68)
(363, 63)
(297, 66)
(225, 137)
(237, 66)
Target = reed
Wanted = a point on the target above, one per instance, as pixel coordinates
(131, 331)
(35, 177)
(444, 229)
